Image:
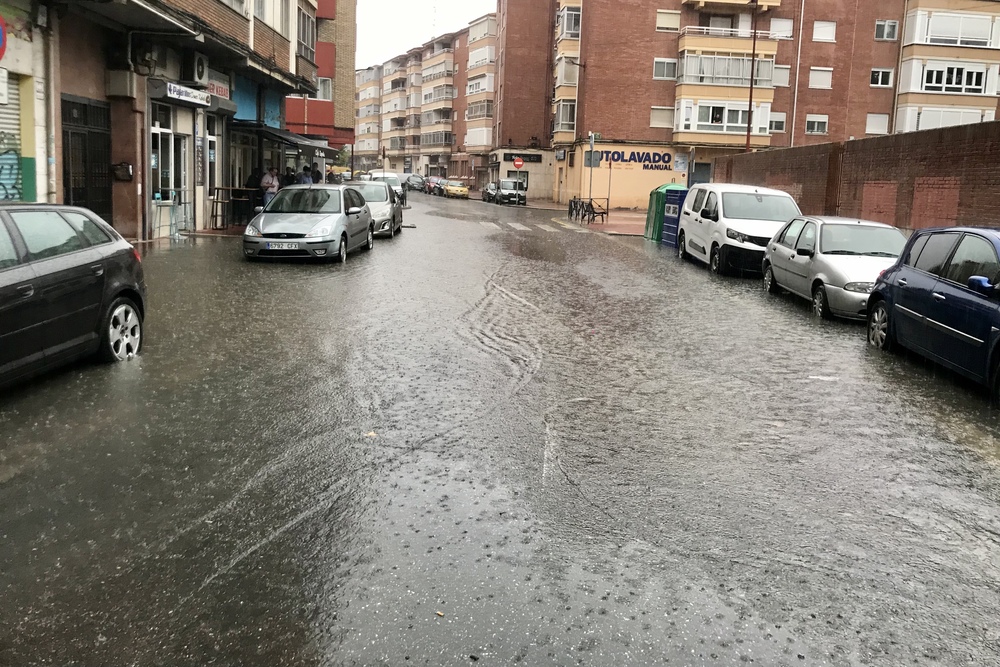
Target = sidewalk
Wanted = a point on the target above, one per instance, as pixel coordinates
(619, 223)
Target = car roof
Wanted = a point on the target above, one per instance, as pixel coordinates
(383, 173)
(751, 189)
(838, 220)
(987, 231)
(368, 184)
(315, 186)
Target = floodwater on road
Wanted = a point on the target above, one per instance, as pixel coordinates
(494, 440)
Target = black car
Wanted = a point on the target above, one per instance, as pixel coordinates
(511, 191)
(490, 192)
(414, 182)
(70, 287)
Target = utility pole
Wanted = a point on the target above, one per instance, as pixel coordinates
(753, 69)
(590, 194)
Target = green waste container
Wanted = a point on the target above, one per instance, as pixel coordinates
(664, 205)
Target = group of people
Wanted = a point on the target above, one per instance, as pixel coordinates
(272, 181)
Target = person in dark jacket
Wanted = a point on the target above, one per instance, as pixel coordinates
(317, 176)
(305, 176)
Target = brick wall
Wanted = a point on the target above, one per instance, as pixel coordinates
(345, 41)
(218, 16)
(522, 107)
(267, 42)
(914, 180)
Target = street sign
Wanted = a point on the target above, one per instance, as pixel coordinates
(518, 163)
(3, 37)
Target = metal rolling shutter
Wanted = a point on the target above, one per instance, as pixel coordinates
(10, 142)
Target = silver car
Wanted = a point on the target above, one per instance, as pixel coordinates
(386, 207)
(834, 262)
(321, 221)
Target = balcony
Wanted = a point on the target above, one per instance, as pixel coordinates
(764, 5)
(701, 39)
(438, 75)
(438, 57)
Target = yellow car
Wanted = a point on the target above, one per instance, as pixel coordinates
(456, 189)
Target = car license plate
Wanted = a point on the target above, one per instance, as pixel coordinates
(282, 246)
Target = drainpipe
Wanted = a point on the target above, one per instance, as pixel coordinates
(798, 67)
(899, 70)
(50, 107)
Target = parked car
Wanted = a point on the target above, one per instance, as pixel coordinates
(311, 221)
(437, 187)
(430, 184)
(414, 182)
(456, 189)
(490, 192)
(385, 206)
(392, 179)
(728, 226)
(834, 262)
(70, 287)
(940, 300)
(511, 191)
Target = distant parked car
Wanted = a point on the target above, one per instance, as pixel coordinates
(511, 191)
(940, 299)
(70, 287)
(490, 192)
(728, 226)
(385, 206)
(456, 190)
(311, 221)
(430, 184)
(414, 182)
(834, 262)
(392, 179)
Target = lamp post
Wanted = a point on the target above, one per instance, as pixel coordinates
(753, 68)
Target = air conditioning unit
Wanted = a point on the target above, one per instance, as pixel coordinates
(196, 69)
(121, 83)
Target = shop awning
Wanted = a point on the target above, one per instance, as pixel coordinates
(308, 148)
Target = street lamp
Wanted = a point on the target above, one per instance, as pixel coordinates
(753, 68)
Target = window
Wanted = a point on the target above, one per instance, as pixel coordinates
(754, 206)
(820, 77)
(286, 17)
(307, 34)
(918, 245)
(959, 29)
(807, 239)
(81, 223)
(777, 121)
(8, 255)
(887, 30)
(881, 78)
(699, 200)
(661, 117)
(566, 116)
(325, 89)
(955, 79)
(480, 84)
(791, 234)
(668, 21)
(825, 31)
(238, 5)
(569, 23)
(782, 74)
(878, 123)
(782, 28)
(929, 118)
(936, 252)
(664, 69)
(712, 204)
(46, 234)
(260, 9)
(975, 256)
(477, 110)
(567, 73)
(723, 70)
(817, 123)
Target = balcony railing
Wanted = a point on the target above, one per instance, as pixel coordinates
(738, 33)
(438, 75)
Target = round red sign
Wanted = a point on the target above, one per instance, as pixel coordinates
(518, 163)
(3, 37)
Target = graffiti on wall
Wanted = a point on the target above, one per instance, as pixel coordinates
(10, 167)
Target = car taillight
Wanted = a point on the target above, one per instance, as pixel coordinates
(135, 253)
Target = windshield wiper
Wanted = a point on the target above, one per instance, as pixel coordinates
(840, 252)
(879, 253)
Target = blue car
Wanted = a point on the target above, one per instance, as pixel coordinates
(940, 300)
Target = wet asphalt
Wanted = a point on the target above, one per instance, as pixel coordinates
(482, 444)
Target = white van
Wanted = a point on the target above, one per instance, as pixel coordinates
(729, 226)
(391, 178)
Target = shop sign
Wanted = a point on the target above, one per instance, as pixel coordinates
(189, 95)
(510, 157)
(218, 84)
(681, 162)
(650, 161)
(561, 154)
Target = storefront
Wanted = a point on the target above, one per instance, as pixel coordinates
(535, 172)
(621, 177)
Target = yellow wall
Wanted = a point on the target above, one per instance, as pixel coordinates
(630, 181)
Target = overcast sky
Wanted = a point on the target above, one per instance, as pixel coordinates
(388, 28)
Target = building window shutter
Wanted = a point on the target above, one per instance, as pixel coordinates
(668, 21)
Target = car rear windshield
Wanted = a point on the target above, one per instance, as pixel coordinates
(456, 184)
(753, 206)
(508, 185)
(391, 180)
(373, 193)
(305, 201)
(861, 240)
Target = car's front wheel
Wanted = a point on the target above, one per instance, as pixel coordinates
(682, 251)
(342, 250)
(879, 328)
(121, 336)
(717, 261)
(820, 304)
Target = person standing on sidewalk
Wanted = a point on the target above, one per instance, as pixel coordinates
(270, 184)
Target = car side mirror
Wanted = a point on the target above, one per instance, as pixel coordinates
(805, 252)
(708, 215)
(259, 209)
(982, 285)
(354, 210)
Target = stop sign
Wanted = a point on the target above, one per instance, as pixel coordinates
(518, 163)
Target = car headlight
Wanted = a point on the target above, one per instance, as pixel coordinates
(319, 232)
(252, 231)
(862, 288)
(736, 236)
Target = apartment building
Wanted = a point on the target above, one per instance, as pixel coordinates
(430, 110)
(164, 104)
(329, 112)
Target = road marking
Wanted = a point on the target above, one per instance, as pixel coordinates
(547, 228)
(518, 226)
(570, 226)
(581, 231)
(490, 225)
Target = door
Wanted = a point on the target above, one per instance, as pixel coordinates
(961, 322)
(11, 173)
(69, 277)
(708, 228)
(87, 154)
(913, 286)
(800, 266)
(783, 251)
(691, 219)
(21, 311)
(355, 223)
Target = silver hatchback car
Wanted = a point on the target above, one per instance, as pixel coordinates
(385, 205)
(834, 262)
(311, 221)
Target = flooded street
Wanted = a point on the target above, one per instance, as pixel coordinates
(495, 440)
